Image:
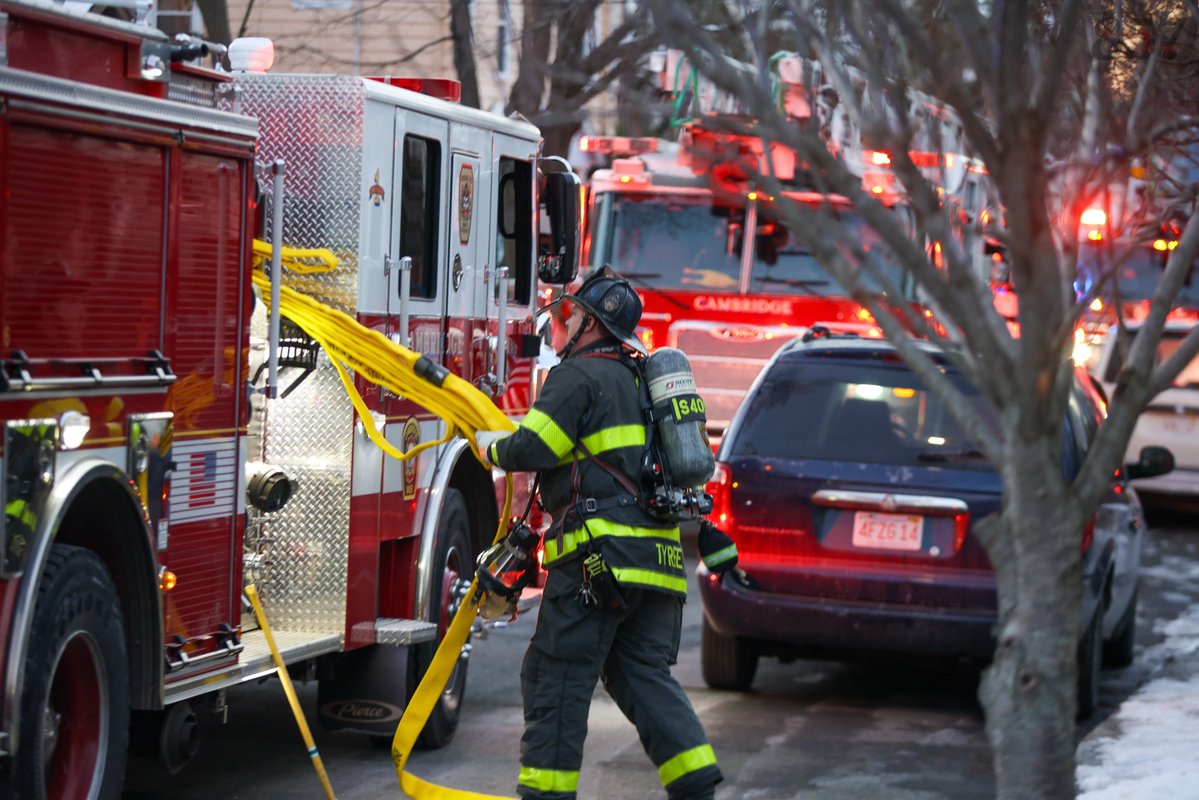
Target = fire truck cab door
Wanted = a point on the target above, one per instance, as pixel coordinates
(470, 272)
(419, 227)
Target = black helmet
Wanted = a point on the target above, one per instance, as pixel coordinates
(611, 300)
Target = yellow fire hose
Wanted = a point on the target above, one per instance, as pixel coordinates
(465, 410)
(290, 691)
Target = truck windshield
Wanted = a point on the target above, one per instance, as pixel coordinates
(1140, 273)
(695, 242)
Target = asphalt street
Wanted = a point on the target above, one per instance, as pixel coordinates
(816, 730)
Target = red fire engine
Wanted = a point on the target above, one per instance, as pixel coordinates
(147, 460)
(1125, 236)
(720, 274)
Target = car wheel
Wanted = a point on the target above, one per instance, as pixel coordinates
(74, 709)
(1090, 658)
(454, 566)
(728, 662)
(1119, 651)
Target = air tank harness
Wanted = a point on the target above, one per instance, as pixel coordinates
(465, 409)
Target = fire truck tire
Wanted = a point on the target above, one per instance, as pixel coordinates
(727, 662)
(75, 706)
(454, 566)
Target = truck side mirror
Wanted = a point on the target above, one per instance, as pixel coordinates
(1154, 461)
(559, 262)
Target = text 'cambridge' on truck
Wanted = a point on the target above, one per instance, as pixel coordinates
(147, 465)
(721, 275)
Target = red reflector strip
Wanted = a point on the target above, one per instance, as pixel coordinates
(441, 88)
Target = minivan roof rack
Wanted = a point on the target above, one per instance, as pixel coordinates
(822, 332)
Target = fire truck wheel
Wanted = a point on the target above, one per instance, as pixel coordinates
(75, 707)
(453, 568)
(727, 662)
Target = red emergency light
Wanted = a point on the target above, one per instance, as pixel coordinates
(618, 145)
(441, 88)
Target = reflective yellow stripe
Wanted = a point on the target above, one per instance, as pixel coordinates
(614, 438)
(550, 780)
(688, 761)
(548, 431)
(646, 577)
(602, 527)
(721, 556)
(609, 439)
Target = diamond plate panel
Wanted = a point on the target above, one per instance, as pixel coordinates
(314, 123)
(299, 554)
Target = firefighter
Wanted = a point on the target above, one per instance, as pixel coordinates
(613, 600)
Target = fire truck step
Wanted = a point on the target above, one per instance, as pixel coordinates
(255, 661)
(389, 630)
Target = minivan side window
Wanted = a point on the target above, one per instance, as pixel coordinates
(419, 201)
(1082, 418)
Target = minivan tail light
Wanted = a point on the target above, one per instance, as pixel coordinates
(721, 489)
(1088, 535)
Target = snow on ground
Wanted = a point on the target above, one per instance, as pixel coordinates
(1147, 750)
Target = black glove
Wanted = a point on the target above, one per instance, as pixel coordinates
(716, 548)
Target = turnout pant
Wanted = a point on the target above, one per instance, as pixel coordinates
(632, 651)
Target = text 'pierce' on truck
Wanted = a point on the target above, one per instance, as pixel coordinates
(148, 470)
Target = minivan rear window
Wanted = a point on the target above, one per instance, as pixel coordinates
(1169, 342)
(855, 411)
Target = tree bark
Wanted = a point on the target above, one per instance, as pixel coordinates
(464, 51)
(535, 39)
(1029, 690)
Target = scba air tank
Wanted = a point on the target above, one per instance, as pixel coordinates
(681, 426)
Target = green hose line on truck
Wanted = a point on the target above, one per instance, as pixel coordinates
(465, 409)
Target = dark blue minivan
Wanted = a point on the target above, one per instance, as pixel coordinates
(850, 492)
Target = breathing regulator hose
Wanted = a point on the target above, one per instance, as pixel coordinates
(465, 409)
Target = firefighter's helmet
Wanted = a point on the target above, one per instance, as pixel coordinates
(612, 300)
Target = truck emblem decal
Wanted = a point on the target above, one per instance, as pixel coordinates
(466, 201)
(361, 711)
(411, 438)
(376, 192)
(738, 333)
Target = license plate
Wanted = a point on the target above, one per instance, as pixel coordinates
(1178, 424)
(887, 531)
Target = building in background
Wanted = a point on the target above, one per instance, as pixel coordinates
(406, 37)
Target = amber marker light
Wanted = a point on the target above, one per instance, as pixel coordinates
(166, 579)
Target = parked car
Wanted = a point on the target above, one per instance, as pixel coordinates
(851, 494)
(1170, 420)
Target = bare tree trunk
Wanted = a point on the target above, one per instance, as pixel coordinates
(1029, 691)
(216, 19)
(535, 38)
(463, 35)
